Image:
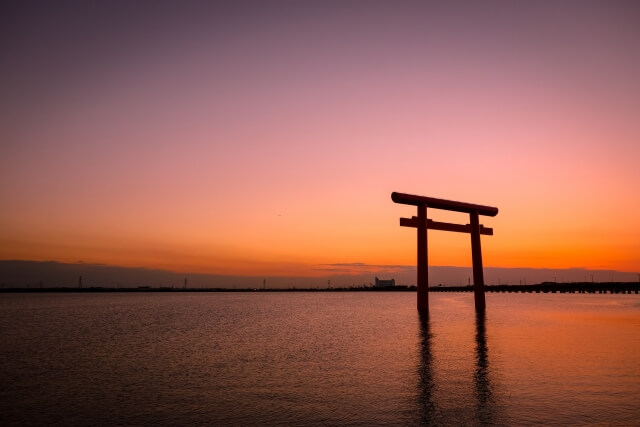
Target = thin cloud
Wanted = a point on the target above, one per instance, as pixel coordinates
(362, 268)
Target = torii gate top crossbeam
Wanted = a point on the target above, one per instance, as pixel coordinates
(447, 205)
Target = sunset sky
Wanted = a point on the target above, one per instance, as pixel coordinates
(265, 138)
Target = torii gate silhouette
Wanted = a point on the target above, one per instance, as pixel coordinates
(422, 224)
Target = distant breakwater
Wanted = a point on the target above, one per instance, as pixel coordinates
(552, 287)
(545, 287)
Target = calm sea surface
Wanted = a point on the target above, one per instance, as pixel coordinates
(318, 359)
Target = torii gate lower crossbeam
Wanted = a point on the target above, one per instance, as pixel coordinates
(422, 224)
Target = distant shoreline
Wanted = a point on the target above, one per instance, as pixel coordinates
(545, 287)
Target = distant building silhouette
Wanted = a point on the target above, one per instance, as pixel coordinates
(385, 283)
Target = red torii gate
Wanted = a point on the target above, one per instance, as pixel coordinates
(422, 224)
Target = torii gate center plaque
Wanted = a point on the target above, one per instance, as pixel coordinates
(422, 224)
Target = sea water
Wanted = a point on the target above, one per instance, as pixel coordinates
(318, 358)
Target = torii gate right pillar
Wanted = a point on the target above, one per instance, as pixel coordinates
(476, 258)
(423, 260)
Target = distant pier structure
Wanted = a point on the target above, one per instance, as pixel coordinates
(422, 224)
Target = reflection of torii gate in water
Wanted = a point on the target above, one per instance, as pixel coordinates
(422, 223)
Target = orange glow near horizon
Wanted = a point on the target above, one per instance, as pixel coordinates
(271, 147)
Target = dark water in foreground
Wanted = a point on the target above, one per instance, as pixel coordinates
(318, 358)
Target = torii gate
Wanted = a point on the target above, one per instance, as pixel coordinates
(422, 223)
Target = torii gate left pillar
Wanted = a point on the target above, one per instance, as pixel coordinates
(422, 224)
